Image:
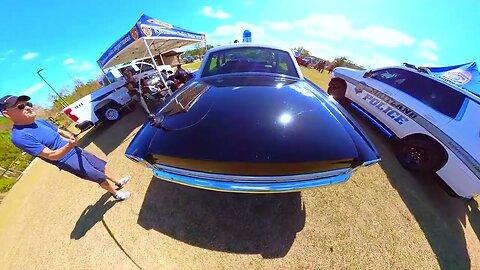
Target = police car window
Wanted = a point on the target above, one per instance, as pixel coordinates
(436, 95)
(249, 59)
(392, 76)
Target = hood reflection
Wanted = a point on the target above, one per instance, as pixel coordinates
(185, 100)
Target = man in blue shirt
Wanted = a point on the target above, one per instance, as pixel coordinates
(42, 139)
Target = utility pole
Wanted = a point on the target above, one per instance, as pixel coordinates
(60, 98)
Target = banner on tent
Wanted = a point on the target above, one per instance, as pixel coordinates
(465, 75)
(147, 27)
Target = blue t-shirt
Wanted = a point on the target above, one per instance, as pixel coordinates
(35, 137)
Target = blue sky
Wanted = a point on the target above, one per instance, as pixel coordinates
(66, 38)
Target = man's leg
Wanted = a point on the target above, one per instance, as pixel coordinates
(111, 176)
(119, 182)
(108, 187)
(118, 195)
(95, 170)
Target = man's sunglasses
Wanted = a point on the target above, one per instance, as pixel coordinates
(21, 106)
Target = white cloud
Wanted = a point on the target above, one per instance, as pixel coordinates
(383, 36)
(426, 64)
(33, 89)
(69, 61)
(337, 27)
(430, 44)
(321, 25)
(3, 56)
(428, 56)
(210, 12)
(50, 59)
(29, 55)
(278, 26)
(85, 65)
(374, 61)
(427, 51)
(228, 33)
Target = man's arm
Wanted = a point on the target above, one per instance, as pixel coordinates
(60, 152)
(65, 134)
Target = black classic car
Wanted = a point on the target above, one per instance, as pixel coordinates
(250, 122)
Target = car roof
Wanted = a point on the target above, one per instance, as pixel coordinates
(253, 45)
(247, 45)
(455, 87)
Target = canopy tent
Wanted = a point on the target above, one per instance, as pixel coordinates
(466, 76)
(148, 37)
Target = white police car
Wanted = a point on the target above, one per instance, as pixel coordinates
(437, 123)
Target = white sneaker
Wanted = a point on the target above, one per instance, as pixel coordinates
(121, 196)
(123, 181)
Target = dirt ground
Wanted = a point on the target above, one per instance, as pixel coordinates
(383, 217)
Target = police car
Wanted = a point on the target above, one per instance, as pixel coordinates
(436, 123)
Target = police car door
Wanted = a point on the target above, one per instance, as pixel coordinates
(376, 94)
(434, 103)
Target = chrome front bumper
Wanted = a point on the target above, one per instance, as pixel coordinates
(249, 184)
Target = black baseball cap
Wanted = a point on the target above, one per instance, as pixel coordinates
(9, 101)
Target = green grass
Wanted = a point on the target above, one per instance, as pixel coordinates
(6, 184)
(192, 66)
(320, 79)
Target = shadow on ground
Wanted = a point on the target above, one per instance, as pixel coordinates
(91, 215)
(101, 135)
(263, 224)
(441, 217)
(474, 216)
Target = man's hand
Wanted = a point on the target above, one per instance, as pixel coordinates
(50, 154)
(72, 141)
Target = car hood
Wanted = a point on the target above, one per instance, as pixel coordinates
(250, 125)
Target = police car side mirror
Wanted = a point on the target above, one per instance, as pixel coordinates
(367, 74)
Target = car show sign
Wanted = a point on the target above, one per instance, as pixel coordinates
(464, 75)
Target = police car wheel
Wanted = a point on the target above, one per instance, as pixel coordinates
(418, 154)
(337, 88)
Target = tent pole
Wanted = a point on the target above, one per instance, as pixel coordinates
(155, 63)
(105, 74)
(103, 71)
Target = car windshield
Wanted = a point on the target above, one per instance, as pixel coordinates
(250, 59)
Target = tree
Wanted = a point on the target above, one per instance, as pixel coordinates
(304, 52)
(199, 50)
(345, 62)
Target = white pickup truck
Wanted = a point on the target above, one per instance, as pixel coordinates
(106, 104)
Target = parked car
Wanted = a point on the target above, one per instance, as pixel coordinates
(250, 122)
(107, 103)
(188, 59)
(434, 123)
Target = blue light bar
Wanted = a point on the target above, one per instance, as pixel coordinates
(373, 120)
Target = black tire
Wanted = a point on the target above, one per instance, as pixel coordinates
(337, 88)
(109, 113)
(421, 154)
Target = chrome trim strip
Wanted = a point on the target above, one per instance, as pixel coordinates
(370, 162)
(249, 187)
(242, 178)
